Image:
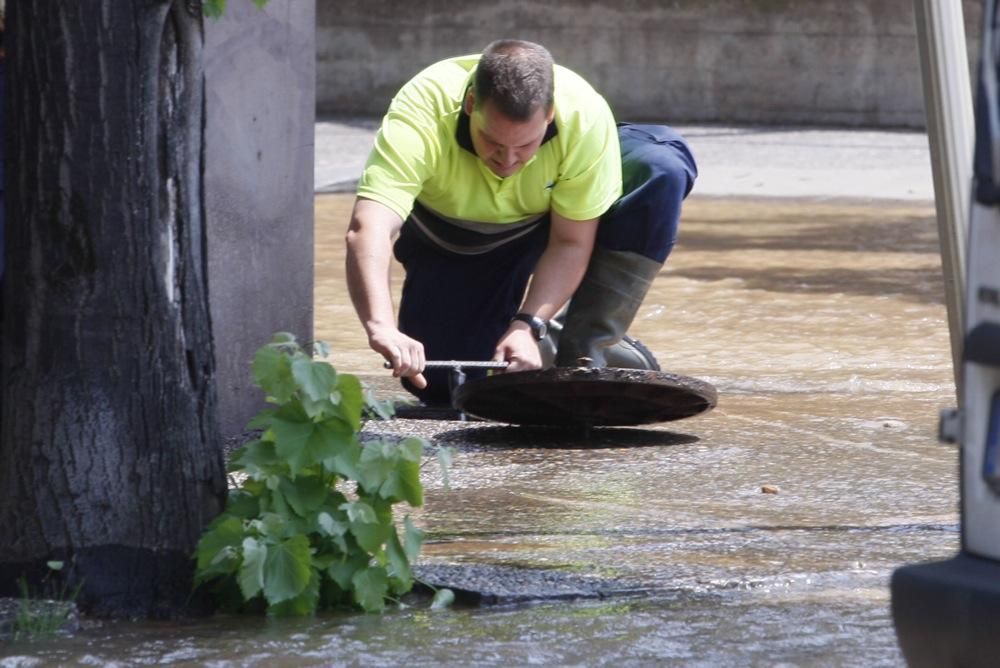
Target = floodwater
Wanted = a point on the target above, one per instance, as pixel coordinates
(821, 324)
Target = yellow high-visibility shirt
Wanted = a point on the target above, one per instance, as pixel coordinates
(423, 151)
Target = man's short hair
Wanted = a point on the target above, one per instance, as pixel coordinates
(516, 76)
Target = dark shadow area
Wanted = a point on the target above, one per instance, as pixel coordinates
(406, 410)
(918, 285)
(564, 438)
(823, 230)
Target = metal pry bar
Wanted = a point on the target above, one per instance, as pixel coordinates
(457, 377)
(459, 364)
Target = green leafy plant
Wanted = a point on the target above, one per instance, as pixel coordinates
(311, 523)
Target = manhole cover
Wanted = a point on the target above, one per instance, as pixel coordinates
(584, 396)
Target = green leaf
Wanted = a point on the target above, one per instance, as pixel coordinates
(393, 471)
(342, 571)
(374, 536)
(292, 430)
(329, 525)
(280, 523)
(348, 459)
(400, 574)
(411, 449)
(300, 442)
(262, 420)
(318, 410)
(255, 457)
(443, 598)
(55, 565)
(242, 504)
(359, 511)
(316, 379)
(271, 525)
(413, 539)
(370, 530)
(287, 569)
(254, 487)
(331, 521)
(410, 489)
(322, 560)
(216, 552)
(379, 409)
(305, 494)
(329, 440)
(251, 576)
(376, 466)
(370, 587)
(303, 604)
(277, 511)
(352, 399)
(272, 371)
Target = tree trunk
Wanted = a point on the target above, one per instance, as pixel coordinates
(110, 458)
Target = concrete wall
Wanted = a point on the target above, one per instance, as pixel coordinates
(260, 85)
(839, 62)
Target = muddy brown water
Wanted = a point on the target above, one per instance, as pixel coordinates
(822, 326)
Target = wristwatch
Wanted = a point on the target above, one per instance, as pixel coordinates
(538, 326)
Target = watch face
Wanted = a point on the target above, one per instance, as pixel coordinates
(540, 329)
(538, 326)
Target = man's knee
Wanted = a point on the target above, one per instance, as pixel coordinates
(670, 170)
(658, 171)
(656, 158)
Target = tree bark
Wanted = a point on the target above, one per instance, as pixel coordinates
(110, 458)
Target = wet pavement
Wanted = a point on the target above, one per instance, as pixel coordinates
(806, 287)
(766, 529)
(761, 533)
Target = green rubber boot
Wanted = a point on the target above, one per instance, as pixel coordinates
(601, 311)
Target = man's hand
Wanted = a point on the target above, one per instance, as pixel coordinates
(406, 355)
(518, 347)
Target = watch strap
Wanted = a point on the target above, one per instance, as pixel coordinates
(538, 326)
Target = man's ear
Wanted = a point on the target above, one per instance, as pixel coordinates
(470, 103)
(549, 117)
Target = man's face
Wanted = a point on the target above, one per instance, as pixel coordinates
(503, 144)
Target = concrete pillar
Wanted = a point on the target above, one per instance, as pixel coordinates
(260, 102)
(951, 132)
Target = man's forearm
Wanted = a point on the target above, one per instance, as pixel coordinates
(559, 272)
(368, 280)
(369, 257)
(557, 275)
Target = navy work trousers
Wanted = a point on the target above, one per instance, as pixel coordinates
(459, 305)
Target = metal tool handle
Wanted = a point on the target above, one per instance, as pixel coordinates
(459, 364)
(457, 377)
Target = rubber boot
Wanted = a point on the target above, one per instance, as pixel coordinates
(602, 309)
(628, 353)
